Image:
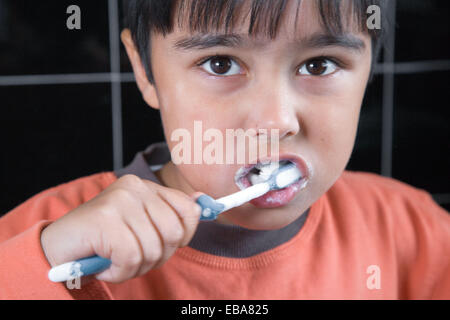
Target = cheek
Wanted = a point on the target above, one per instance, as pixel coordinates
(332, 126)
(183, 102)
(335, 112)
(338, 133)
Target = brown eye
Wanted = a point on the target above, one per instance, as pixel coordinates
(318, 67)
(220, 65)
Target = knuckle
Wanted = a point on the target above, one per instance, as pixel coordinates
(133, 258)
(195, 210)
(174, 237)
(107, 215)
(180, 193)
(131, 179)
(130, 251)
(122, 194)
(177, 195)
(154, 255)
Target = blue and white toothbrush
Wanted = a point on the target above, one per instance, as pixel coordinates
(283, 176)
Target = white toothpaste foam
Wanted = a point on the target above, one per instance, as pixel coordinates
(264, 173)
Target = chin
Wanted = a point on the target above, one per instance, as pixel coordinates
(251, 217)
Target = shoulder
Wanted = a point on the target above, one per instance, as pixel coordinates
(399, 221)
(377, 185)
(378, 190)
(390, 207)
(386, 195)
(53, 203)
(57, 200)
(83, 186)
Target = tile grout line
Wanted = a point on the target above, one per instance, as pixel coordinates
(116, 94)
(388, 97)
(413, 67)
(69, 78)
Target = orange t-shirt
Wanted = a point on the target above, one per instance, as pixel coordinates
(367, 237)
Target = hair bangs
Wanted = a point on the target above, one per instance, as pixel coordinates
(206, 16)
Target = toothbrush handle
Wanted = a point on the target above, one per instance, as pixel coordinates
(243, 196)
(78, 268)
(212, 208)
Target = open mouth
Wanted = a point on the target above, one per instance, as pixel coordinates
(257, 173)
(261, 172)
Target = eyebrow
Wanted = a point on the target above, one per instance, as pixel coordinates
(345, 40)
(315, 41)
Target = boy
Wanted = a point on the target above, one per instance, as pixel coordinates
(298, 67)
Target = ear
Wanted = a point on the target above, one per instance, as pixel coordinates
(147, 89)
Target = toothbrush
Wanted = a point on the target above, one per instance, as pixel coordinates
(281, 178)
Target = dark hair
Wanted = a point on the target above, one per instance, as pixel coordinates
(145, 16)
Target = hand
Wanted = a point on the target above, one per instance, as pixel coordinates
(135, 223)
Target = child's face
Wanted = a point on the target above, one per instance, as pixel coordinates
(265, 84)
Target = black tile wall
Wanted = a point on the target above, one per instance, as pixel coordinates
(421, 140)
(34, 38)
(141, 124)
(366, 154)
(446, 206)
(125, 65)
(51, 135)
(423, 30)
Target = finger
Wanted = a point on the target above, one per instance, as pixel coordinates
(147, 235)
(125, 253)
(187, 210)
(196, 194)
(168, 225)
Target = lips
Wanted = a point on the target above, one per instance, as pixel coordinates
(275, 198)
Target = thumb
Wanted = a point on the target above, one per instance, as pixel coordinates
(190, 223)
(196, 195)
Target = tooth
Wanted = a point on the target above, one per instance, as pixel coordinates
(265, 171)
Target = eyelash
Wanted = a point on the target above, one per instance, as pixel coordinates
(203, 61)
(336, 62)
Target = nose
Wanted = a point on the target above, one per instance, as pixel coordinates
(272, 105)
